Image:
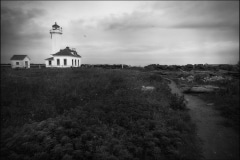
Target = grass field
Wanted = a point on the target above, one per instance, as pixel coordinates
(92, 114)
(225, 100)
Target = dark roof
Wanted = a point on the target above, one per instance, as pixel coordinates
(51, 58)
(18, 57)
(67, 52)
(55, 25)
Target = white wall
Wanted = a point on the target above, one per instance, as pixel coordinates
(21, 63)
(61, 58)
(56, 42)
(47, 63)
(14, 65)
(26, 59)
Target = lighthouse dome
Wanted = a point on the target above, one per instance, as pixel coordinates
(55, 26)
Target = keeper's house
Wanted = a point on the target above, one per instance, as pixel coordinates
(20, 61)
(64, 58)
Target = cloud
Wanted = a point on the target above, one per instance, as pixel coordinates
(163, 32)
(180, 14)
(130, 21)
(201, 14)
(17, 23)
(20, 31)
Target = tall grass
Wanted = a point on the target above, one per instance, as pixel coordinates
(92, 114)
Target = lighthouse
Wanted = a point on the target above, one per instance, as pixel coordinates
(61, 58)
(56, 33)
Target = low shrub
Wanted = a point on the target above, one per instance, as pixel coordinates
(105, 116)
(177, 102)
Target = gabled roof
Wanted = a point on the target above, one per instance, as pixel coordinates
(67, 52)
(19, 57)
(50, 59)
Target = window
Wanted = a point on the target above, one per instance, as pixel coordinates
(17, 63)
(50, 63)
(78, 62)
(65, 62)
(58, 62)
(72, 62)
(75, 62)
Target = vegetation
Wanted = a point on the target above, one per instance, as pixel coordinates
(105, 66)
(226, 101)
(151, 67)
(92, 113)
(189, 67)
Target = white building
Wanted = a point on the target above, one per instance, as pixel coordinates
(64, 58)
(61, 57)
(20, 61)
(56, 36)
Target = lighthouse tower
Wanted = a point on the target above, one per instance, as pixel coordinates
(56, 33)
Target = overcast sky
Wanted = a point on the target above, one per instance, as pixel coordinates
(128, 32)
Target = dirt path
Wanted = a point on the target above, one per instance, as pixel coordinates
(219, 142)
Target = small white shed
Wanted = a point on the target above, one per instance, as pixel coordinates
(20, 61)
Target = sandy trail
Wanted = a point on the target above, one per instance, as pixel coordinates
(219, 142)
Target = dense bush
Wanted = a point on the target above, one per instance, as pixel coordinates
(177, 102)
(93, 114)
(105, 66)
(162, 67)
(188, 67)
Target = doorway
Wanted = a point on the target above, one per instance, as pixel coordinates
(26, 64)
